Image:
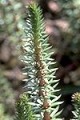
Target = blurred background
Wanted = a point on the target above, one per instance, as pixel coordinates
(62, 22)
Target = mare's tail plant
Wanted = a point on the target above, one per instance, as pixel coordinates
(40, 81)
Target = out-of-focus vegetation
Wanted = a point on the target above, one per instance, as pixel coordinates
(11, 21)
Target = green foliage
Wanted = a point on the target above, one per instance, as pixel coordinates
(23, 110)
(41, 80)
